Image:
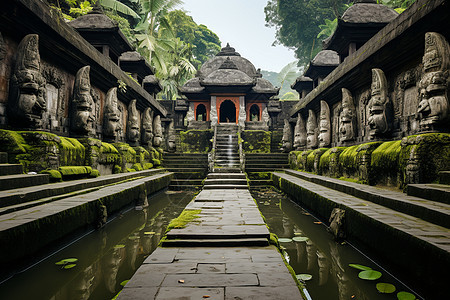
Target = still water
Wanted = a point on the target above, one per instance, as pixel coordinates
(106, 257)
(319, 255)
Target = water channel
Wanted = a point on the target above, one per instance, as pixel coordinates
(109, 256)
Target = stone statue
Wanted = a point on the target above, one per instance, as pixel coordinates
(82, 119)
(380, 107)
(133, 129)
(311, 126)
(347, 117)
(27, 92)
(171, 137)
(157, 131)
(147, 127)
(433, 107)
(111, 117)
(324, 125)
(299, 133)
(286, 141)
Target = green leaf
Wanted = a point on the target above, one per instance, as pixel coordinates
(70, 266)
(300, 239)
(119, 7)
(369, 275)
(66, 261)
(284, 240)
(123, 283)
(119, 246)
(405, 296)
(385, 288)
(149, 232)
(304, 277)
(360, 267)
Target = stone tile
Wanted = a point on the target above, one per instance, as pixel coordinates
(210, 268)
(187, 293)
(161, 256)
(263, 293)
(145, 277)
(173, 268)
(210, 280)
(138, 293)
(276, 279)
(238, 267)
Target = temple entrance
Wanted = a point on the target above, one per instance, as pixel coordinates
(227, 112)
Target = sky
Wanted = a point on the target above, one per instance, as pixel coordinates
(242, 24)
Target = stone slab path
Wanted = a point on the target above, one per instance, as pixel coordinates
(252, 270)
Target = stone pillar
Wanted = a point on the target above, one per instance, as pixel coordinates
(213, 113)
(242, 112)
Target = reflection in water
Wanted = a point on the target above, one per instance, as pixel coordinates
(106, 257)
(317, 253)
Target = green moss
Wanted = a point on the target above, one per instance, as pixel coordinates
(384, 162)
(183, 219)
(293, 163)
(117, 169)
(195, 141)
(55, 175)
(147, 166)
(71, 152)
(74, 170)
(348, 160)
(12, 142)
(94, 173)
(329, 161)
(259, 175)
(129, 170)
(126, 151)
(137, 167)
(108, 154)
(156, 162)
(273, 240)
(302, 159)
(256, 141)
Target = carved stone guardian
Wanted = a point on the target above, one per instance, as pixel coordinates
(299, 133)
(81, 121)
(324, 125)
(111, 117)
(286, 141)
(433, 109)
(133, 129)
(311, 130)
(147, 127)
(28, 93)
(380, 107)
(171, 137)
(157, 131)
(347, 117)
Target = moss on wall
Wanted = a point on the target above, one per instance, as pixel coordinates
(329, 162)
(71, 152)
(384, 163)
(302, 159)
(256, 141)
(12, 143)
(293, 164)
(142, 155)
(259, 175)
(196, 141)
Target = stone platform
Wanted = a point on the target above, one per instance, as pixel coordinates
(248, 269)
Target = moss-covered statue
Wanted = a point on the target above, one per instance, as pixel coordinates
(81, 117)
(380, 106)
(133, 126)
(433, 110)
(347, 117)
(157, 131)
(311, 130)
(27, 97)
(111, 117)
(299, 133)
(171, 137)
(324, 125)
(147, 127)
(286, 141)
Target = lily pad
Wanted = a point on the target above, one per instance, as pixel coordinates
(304, 277)
(369, 275)
(69, 266)
(284, 240)
(385, 288)
(300, 239)
(66, 261)
(360, 267)
(405, 296)
(120, 246)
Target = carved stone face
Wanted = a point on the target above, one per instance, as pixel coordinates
(286, 142)
(133, 129)
(324, 134)
(311, 139)
(346, 132)
(377, 117)
(147, 127)
(311, 125)
(299, 133)
(82, 118)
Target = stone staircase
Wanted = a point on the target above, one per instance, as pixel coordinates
(227, 149)
(189, 169)
(266, 162)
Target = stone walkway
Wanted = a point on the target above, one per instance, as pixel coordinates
(248, 269)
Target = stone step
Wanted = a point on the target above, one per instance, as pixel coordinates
(32, 193)
(266, 169)
(226, 165)
(10, 169)
(252, 162)
(260, 182)
(185, 165)
(185, 169)
(193, 155)
(430, 211)
(267, 165)
(224, 187)
(430, 191)
(226, 181)
(185, 187)
(227, 170)
(227, 161)
(181, 160)
(198, 182)
(244, 242)
(267, 155)
(226, 175)
(189, 175)
(3, 157)
(10, 182)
